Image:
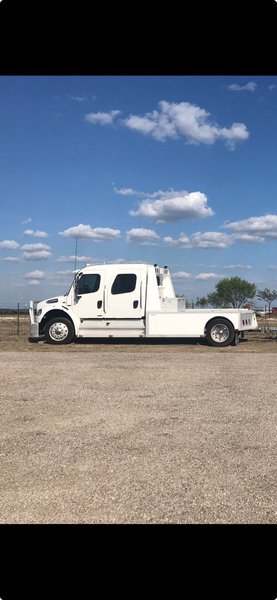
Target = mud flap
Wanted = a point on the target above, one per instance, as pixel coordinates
(236, 339)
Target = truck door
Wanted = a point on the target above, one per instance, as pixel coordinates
(125, 294)
(89, 295)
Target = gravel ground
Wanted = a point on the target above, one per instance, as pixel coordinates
(136, 436)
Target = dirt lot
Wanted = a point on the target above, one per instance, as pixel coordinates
(138, 433)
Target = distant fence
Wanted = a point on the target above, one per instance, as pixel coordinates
(14, 321)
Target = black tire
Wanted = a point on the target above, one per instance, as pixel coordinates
(220, 332)
(59, 331)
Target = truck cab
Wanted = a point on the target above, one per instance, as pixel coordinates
(130, 300)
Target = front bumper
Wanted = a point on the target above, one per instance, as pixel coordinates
(34, 333)
(34, 330)
(34, 327)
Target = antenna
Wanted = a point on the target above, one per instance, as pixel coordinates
(76, 246)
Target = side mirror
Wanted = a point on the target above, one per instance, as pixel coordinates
(76, 286)
(77, 291)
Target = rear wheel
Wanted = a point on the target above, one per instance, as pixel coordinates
(220, 332)
(59, 331)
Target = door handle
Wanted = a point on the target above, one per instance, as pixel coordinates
(99, 303)
(104, 299)
(135, 304)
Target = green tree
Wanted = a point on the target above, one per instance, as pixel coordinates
(202, 302)
(268, 296)
(232, 292)
(216, 301)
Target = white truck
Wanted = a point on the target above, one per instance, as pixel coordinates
(131, 301)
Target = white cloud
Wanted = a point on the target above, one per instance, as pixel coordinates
(34, 282)
(174, 120)
(99, 234)
(9, 245)
(37, 233)
(35, 275)
(272, 87)
(65, 273)
(236, 132)
(181, 275)
(71, 259)
(247, 238)
(102, 118)
(251, 86)
(127, 191)
(208, 239)
(35, 247)
(29, 220)
(76, 98)
(36, 251)
(238, 266)
(10, 259)
(206, 276)
(258, 225)
(206, 266)
(169, 241)
(254, 229)
(145, 237)
(200, 276)
(183, 240)
(216, 239)
(254, 224)
(155, 124)
(37, 255)
(175, 206)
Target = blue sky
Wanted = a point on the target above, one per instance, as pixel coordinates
(174, 170)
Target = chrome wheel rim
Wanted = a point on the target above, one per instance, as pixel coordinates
(220, 333)
(58, 332)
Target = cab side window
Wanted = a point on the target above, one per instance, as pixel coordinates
(124, 283)
(87, 284)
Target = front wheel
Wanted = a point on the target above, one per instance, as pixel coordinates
(220, 332)
(59, 331)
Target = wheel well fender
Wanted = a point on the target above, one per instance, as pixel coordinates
(210, 322)
(51, 314)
